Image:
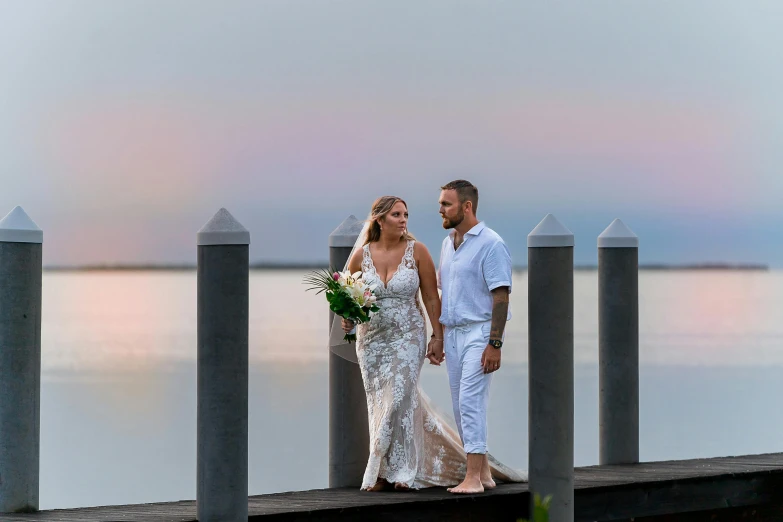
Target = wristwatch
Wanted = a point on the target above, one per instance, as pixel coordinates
(495, 343)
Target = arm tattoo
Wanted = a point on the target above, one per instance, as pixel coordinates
(499, 312)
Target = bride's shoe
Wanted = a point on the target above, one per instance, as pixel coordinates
(399, 486)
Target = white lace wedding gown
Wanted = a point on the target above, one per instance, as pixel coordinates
(409, 442)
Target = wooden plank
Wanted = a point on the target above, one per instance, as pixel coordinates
(649, 489)
(677, 497)
(765, 513)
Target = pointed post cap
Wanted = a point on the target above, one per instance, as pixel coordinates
(223, 229)
(17, 227)
(345, 235)
(617, 235)
(550, 233)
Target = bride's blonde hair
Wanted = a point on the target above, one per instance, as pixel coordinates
(380, 208)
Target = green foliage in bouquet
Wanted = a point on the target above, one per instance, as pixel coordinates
(348, 296)
(540, 509)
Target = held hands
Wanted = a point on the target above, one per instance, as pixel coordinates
(435, 351)
(490, 360)
(347, 325)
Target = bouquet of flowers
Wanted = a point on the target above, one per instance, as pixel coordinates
(348, 295)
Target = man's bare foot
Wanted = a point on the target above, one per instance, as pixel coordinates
(488, 483)
(381, 485)
(399, 486)
(468, 486)
(486, 473)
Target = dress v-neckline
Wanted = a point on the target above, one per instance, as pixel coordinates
(402, 262)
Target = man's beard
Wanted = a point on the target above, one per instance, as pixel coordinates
(451, 223)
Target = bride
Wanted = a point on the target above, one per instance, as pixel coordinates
(411, 447)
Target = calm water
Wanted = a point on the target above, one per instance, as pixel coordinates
(118, 403)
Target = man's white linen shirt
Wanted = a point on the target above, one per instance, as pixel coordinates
(467, 276)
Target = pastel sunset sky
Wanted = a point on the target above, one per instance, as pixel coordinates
(125, 125)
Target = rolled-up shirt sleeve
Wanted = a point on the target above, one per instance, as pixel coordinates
(497, 266)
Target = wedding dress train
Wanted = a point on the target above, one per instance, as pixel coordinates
(410, 443)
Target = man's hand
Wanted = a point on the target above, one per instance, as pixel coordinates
(490, 360)
(435, 352)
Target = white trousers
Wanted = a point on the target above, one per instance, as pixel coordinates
(464, 346)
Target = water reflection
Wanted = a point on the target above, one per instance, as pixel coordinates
(118, 407)
(711, 318)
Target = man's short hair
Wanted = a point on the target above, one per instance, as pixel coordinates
(466, 191)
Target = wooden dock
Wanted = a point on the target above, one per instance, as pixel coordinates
(718, 489)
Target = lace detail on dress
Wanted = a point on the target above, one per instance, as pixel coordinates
(390, 349)
(406, 282)
(409, 443)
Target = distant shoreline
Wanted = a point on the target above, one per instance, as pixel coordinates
(692, 266)
(318, 266)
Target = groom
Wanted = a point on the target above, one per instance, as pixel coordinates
(475, 279)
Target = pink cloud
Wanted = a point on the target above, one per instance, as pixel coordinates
(175, 154)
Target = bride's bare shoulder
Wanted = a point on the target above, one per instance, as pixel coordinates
(419, 250)
(355, 263)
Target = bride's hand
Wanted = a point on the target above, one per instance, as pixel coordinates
(435, 351)
(347, 325)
